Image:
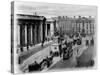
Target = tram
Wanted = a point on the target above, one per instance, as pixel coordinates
(56, 46)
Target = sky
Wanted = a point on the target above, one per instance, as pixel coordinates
(53, 10)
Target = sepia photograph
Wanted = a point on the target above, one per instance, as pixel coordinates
(47, 37)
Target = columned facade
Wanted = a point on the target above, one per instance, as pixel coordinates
(31, 31)
(49, 29)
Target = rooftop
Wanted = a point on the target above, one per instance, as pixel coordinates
(24, 16)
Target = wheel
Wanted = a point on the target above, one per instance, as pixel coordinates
(49, 62)
(43, 64)
(34, 67)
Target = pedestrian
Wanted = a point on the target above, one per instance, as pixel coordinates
(87, 42)
(77, 51)
(92, 41)
(60, 50)
(42, 43)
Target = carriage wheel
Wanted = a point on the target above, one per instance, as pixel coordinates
(43, 65)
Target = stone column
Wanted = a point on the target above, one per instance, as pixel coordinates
(46, 30)
(22, 36)
(27, 37)
(52, 29)
(31, 34)
(18, 38)
(39, 32)
(18, 35)
(87, 28)
(26, 34)
(41, 26)
(35, 37)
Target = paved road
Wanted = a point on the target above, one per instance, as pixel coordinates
(72, 62)
(86, 59)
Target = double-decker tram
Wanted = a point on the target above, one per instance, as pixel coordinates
(68, 46)
(56, 47)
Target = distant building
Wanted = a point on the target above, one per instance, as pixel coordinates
(84, 24)
(73, 25)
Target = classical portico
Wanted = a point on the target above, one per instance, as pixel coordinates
(31, 31)
(49, 28)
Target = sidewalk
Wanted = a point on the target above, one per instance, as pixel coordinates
(38, 57)
(34, 50)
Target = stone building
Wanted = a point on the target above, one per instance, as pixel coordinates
(50, 26)
(31, 30)
(84, 25)
(74, 25)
